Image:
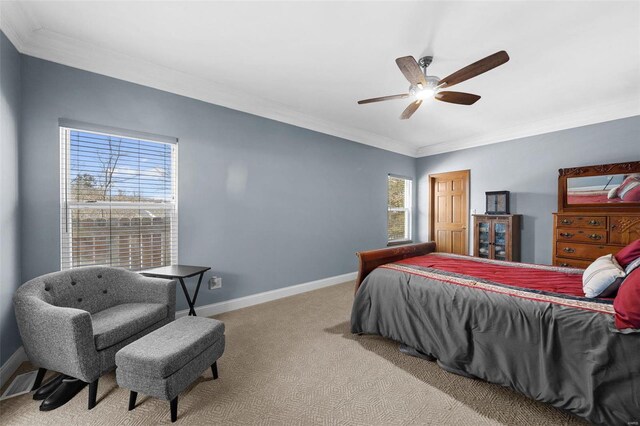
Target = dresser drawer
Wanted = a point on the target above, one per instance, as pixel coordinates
(581, 235)
(624, 229)
(571, 263)
(584, 251)
(576, 221)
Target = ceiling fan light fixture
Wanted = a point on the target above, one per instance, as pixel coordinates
(424, 94)
(427, 91)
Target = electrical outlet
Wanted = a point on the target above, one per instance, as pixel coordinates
(215, 282)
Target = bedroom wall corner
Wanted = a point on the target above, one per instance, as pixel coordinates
(10, 242)
(528, 167)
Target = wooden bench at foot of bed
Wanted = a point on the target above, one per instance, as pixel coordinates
(371, 259)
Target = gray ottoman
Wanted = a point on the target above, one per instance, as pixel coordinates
(165, 362)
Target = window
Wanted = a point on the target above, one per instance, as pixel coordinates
(399, 209)
(118, 200)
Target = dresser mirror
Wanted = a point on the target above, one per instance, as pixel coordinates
(604, 186)
(602, 189)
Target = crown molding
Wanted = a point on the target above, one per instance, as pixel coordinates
(600, 114)
(31, 39)
(15, 24)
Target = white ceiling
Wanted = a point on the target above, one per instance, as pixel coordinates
(307, 63)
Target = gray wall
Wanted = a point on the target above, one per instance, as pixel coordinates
(9, 204)
(267, 204)
(528, 168)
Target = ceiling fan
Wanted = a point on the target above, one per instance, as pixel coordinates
(425, 86)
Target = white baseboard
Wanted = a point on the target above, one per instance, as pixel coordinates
(267, 296)
(12, 364)
(19, 356)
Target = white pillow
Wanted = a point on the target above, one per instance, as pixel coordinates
(613, 193)
(600, 275)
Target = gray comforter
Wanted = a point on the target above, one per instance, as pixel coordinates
(569, 357)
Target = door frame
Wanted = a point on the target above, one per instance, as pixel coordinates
(432, 179)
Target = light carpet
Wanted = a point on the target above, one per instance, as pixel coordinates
(294, 361)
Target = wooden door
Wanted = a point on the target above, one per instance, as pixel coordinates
(449, 210)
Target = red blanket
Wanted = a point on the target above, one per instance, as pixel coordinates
(535, 277)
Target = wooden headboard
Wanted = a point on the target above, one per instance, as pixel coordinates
(369, 260)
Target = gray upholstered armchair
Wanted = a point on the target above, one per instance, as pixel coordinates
(75, 321)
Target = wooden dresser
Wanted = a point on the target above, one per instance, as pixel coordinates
(583, 232)
(581, 238)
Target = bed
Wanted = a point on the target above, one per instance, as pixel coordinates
(519, 325)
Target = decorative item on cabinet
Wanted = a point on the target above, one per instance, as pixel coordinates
(497, 236)
(589, 222)
(497, 202)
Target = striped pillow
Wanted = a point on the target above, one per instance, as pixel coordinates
(633, 265)
(632, 193)
(627, 185)
(603, 277)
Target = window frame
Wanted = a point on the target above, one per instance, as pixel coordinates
(407, 209)
(67, 207)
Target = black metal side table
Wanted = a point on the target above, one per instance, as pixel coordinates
(180, 272)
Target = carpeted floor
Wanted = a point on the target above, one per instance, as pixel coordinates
(293, 361)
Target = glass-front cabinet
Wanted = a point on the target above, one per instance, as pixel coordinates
(484, 239)
(500, 240)
(497, 237)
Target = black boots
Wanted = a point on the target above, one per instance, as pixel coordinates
(66, 390)
(48, 388)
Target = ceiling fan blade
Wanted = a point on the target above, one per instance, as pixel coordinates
(383, 98)
(457, 98)
(408, 112)
(411, 70)
(475, 69)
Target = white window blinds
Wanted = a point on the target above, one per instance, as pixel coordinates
(118, 200)
(399, 195)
